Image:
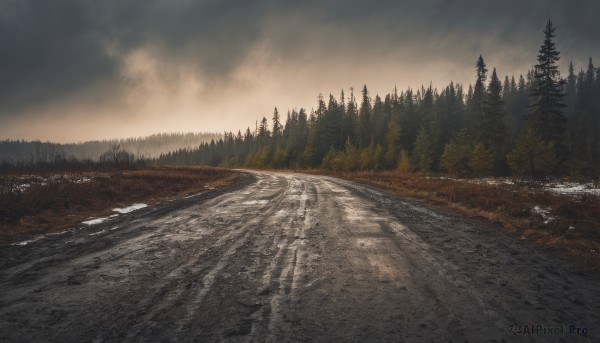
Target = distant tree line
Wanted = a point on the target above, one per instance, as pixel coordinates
(13, 152)
(115, 158)
(537, 124)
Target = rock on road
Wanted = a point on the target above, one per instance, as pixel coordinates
(289, 257)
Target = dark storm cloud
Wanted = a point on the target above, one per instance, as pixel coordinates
(69, 49)
(52, 48)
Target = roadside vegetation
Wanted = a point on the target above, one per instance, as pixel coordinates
(53, 198)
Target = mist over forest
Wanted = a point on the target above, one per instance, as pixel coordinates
(35, 152)
(537, 123)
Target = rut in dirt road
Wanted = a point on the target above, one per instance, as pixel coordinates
(289, 257)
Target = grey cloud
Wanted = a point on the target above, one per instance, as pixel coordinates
(52, 50)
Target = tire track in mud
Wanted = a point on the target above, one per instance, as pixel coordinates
(187, 301)
(282, 275)
(278, 279)
(275, 258)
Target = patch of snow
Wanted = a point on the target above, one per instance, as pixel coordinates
(97, 233)
(499, 181)
(572, 188)
(557, 187)
(542, 212)
(22, 188)
(130, 208)
(95, 221)
(23, 243)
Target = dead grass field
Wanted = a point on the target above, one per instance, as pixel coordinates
(52, 201)
(567, 224)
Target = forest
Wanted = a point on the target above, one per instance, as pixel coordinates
(536, 124)
(19, 152)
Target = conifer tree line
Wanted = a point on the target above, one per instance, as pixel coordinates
(21, 152)
(536, 124)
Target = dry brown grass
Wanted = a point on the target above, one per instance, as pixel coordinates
(55, 202)
(574, 230)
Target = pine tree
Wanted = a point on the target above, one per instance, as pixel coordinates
(379, 119)
(477, 101)
(571, 89)
(531, 155)
(392, 138)
(351, 157)
(457, 153)
(494, 129)
(404, 163)
(351, 118)
(410, 121)
(423, 151)
(454, 109)
(482, 160)
(279, 158)
(583, 126)
(364, 121)
(263, 131)
(547, 111)
(367, 157)
(277, 128)
(378, 157)
(332, 125)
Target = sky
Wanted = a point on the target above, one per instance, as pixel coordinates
(76, 70)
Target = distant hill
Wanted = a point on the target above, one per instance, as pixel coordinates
(19, 151)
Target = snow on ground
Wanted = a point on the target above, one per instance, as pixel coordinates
(83, 180)
(544, 212)
(557, 187)
(21, 188)
(130, 208)
(94, 221)
(37, 238)
(97, 233)
(572, 188)
(21, 184)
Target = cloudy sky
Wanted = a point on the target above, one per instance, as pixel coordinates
(73, 70)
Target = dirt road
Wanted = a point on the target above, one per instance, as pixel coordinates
(290, 257)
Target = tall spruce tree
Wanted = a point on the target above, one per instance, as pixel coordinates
(277, 127)
(351, 118)
(477, 101)
(364, 120)
(423, 151)
(547, 110)
(494, 129)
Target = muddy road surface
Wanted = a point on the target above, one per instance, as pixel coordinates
(290, 257)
